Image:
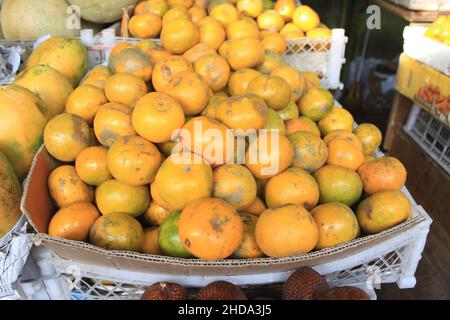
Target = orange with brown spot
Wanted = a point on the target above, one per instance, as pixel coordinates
(125, 89)
(166, 69)
(214, 69)
(133, 61)
(211, 229)
(248, 249)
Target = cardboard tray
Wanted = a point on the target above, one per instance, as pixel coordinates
(39, 209)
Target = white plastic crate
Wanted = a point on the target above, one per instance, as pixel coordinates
(389, 260)
(424, 5)
(430, 52)
(431, 135)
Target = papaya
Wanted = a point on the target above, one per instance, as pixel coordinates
(10, 193)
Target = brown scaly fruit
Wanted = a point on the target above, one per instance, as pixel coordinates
(165, 291)
(304, 284)
(221, 290)
(344, 293)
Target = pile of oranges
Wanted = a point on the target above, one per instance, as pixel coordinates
(235, 18)
(206, 148)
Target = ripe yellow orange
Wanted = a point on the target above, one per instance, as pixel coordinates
(285, 8)
(225, 13)
(179, 35)
(235, 184)
(250, 8)
(197, 14)
(286, 231)
(175, 13)
(337, 119)
(112, 121)
(244, 53)
(248, 248)
(275, 91)
(85, 101)
(211, 229)
(134, 160)
(270, 20)
(155, 214)
(240, 79)
(158, 7)
(212, 32)
(274, 42)
(125, 89)
(242, 28)
(92, 165)
(66, 187)
(370, 137)
(157, 116)
(166, 69)
(145, 26)
(345, 154)
(306, 18)
(197, 51)
(214, 69)
(293, 77)
(65, 136)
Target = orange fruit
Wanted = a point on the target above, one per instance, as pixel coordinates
(133, 61)
(338, 184)
(270, 20)
(112, 121)
(274, 122)
(288, 181)
(211, 229)
(275, 91)
(74, 221)
(182, 179)
(242, 113)
(114, 196)
(268, 155)
(286, 231)
(197, 14)
(155, 214)
(274, 42)
(343, 135)
(84, 102)
(337, 119)
(158, 54)
(293, 78)
(336, 223)
(306, 18)
(235, 184)
(175, 13)
(248, 249)
(134, 160)
(151, 245)
(211, 108)
(92, 165)
(157, 117)
(272, 60)
(320, 34)
(117, 231)
(125, 89)
(179, 35)
(184, 3)
(370, 137)
(302, 124)
(310, 151)
(289, 112)
(145, 26)
(242, 28)
(256, 207)
(66, 187)
(166, 69)
(250, 8)
(244, 53)
(293, 36)
(290, 27)
(285, 8)
(214, 69)
(200, 49)
(212, 32)
(118, 48)
(316, 103)
(240, 79)
(158, 7)
(345, 154)
(225, 13)
(383, 210)
(190, 90)
(98, 76)
(312, 80)
(196, 137)
(386, 173)
(65, 136)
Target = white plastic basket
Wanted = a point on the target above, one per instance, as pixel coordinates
(431, 135)
(389, 261)
(430, 52)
